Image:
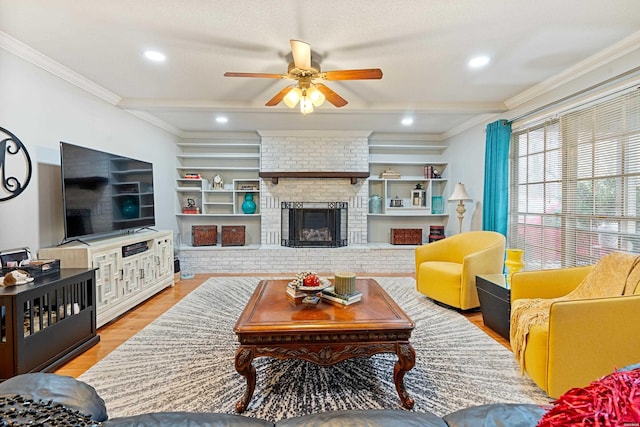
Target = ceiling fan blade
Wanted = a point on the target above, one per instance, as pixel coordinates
(279, 97)
(369, 73)
(331, 96)
(301, 54)
(264, 75)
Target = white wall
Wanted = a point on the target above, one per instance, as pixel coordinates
(466, 165)
(42, 110)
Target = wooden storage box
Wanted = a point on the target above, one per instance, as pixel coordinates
(233, 235)
(204, 235)
(406, 236)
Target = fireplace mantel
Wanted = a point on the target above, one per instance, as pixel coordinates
(353, 176)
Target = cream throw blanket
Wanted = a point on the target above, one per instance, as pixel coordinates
(615, 274)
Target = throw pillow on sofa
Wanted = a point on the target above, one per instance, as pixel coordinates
(64, 390)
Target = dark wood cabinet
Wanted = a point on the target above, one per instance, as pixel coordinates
(47, 322)
(495, 302)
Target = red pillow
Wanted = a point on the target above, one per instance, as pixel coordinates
(614, 400)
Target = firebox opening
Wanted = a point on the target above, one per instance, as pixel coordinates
(314, 224)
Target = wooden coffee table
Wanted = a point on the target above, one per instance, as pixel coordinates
(274, 325)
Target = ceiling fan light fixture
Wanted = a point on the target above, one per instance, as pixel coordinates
(307, 90)
(317, 97)
(306, 106)
(292, 97)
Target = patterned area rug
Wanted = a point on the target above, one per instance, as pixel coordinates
(184, 361)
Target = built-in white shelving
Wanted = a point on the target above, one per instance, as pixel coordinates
(201, 201)
(237, 161)
(399, 208)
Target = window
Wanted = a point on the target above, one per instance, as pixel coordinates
(575, 185)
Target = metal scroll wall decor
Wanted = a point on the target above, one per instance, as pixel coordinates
(15, 166)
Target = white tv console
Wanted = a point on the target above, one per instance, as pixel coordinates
(129, 268)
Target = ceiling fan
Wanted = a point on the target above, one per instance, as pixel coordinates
(307, 90)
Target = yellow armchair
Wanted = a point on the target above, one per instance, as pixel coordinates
(446, 269)
(583, 339)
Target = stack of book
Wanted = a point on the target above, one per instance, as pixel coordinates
(294, 292)
(389, 174)
(331, 296)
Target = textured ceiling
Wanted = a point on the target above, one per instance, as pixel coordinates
(422, 47)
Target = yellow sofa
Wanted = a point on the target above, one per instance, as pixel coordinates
(446, 269)
(583, 339)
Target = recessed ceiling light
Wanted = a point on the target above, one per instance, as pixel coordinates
(407, 121)
(221, 119)
(479, 61)
(155, 55)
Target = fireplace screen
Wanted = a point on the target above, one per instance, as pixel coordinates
(314, 224)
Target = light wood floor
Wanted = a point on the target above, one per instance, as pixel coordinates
(118, 331)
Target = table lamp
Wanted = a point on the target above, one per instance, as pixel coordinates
(460, 195)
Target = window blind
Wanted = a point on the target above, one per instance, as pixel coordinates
(575, 185)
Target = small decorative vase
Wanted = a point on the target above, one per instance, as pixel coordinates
(248, 206)
(437, 205)
(375, 204)
(514, 260)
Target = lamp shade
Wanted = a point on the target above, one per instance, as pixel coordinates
(306, 106)
(459, 193)
(317, 97)
(292, 97)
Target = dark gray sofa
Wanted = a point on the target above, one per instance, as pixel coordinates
(65, 397)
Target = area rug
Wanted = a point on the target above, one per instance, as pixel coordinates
(184, 361)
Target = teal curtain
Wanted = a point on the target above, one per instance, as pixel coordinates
(495, 207)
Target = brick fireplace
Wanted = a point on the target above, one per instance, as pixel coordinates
(327, 162)
(314, 151)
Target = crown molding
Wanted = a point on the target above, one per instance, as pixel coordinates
(150, 118)
(604, 57)
(208, 105)
(31, 55)
(220, 135)
(315, 133)
(407, 137)
(475, 121)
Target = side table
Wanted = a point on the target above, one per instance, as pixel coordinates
(47, 322)
(494, 294)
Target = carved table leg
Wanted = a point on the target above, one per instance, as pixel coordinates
(244, 357)
(406, 361)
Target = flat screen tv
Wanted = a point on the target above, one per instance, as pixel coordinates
(104, 193)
